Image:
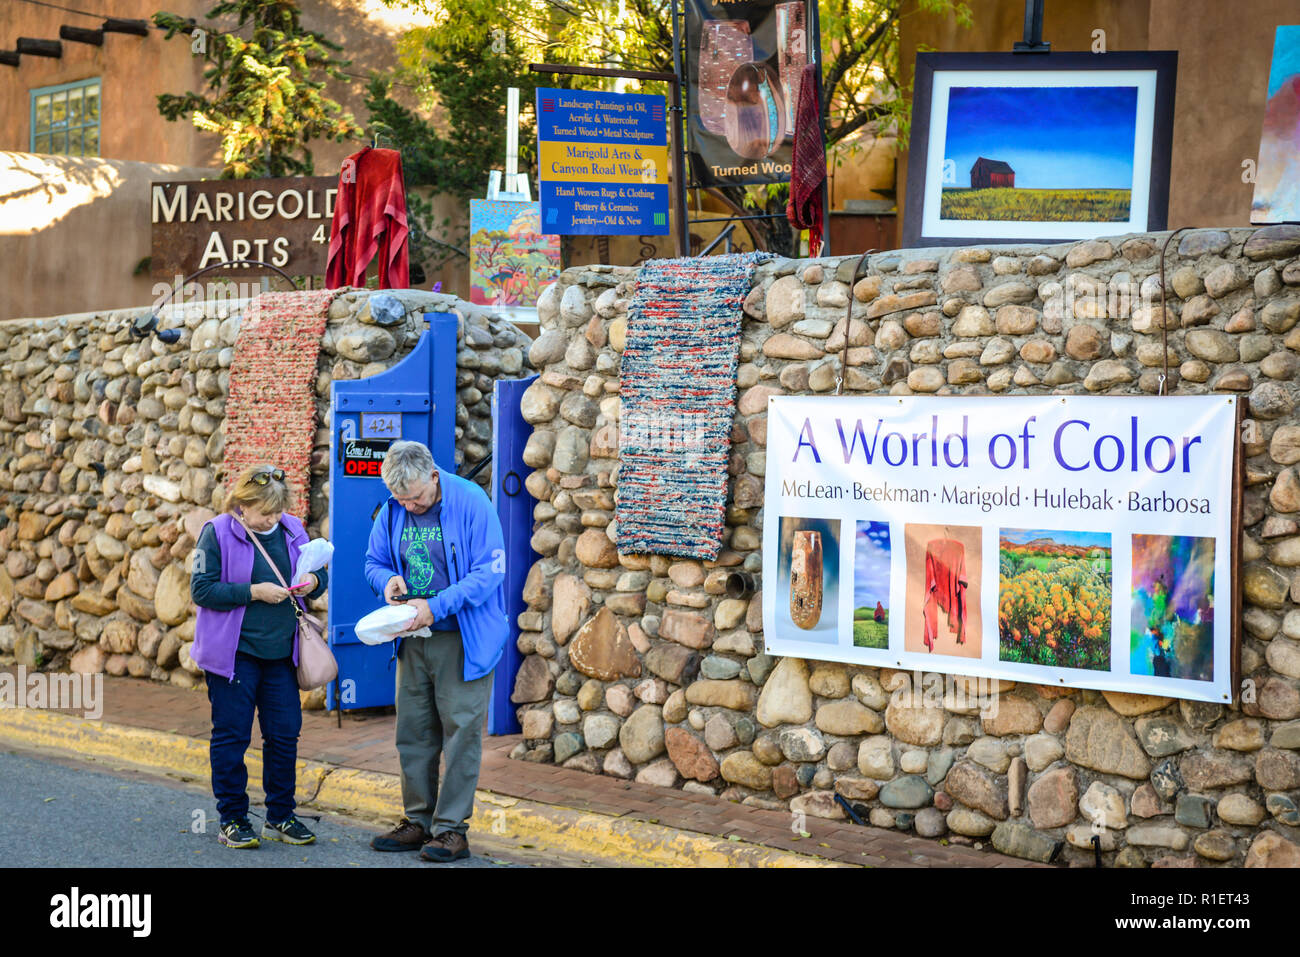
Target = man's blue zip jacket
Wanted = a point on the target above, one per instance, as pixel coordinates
(475, 550)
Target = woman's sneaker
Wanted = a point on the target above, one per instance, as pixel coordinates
(237, 834)
(291, 831)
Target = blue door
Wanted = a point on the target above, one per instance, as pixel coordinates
(415, 399)
(514, 506)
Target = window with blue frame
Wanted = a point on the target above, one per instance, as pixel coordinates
(65, 119)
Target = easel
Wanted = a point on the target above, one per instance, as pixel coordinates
(514, 189)
(1033, 41)
(516, 184)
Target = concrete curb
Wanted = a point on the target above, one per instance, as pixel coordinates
(369, 793)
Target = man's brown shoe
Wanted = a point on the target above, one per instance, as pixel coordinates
(407, 836)
(446, 846)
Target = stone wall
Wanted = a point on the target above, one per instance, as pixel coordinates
(641, 667)
(111, 461)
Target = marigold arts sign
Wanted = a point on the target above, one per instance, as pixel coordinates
(1061, 540)
(284, 222)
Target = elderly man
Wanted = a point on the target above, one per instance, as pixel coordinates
(437, 545)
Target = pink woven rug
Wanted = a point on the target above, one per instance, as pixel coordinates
(271, 408)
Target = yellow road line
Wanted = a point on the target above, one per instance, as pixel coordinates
(631, 842)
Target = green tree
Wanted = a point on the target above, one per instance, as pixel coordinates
(863, 86)
(264, 94)
(467, 83)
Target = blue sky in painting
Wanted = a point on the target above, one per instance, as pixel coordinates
(871, 565)
(1286, 57)
(1019, 536)
(1053, 137)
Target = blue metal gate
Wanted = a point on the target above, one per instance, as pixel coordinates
(415, 399)
(514, 507)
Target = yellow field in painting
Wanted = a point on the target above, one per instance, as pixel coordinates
(1037, 205)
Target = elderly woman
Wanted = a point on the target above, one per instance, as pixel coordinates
(246, 639)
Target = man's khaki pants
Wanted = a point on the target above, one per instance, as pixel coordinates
(439, 714)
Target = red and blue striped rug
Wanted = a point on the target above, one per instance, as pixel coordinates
(678, 388)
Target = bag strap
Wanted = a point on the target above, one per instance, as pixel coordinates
(299, 608)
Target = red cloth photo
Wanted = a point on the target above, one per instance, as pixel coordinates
(945, 589)
(369, 218)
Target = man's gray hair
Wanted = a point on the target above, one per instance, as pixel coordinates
(406, 463)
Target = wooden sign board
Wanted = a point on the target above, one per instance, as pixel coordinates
(283, 221)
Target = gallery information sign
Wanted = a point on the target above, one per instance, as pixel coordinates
(1072, 541)
(602, 163)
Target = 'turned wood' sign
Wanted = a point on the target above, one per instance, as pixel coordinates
(284, 222)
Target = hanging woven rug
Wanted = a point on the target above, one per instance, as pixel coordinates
(271, 409)
(678, 389)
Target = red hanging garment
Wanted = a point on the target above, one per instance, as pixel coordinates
(945, 589)
(809, 169)
(369, 218)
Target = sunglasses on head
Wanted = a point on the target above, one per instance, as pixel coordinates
(262, 478)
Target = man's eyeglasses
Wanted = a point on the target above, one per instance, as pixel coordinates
(262, 478)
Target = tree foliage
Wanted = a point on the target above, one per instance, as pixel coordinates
(468, 84)
(264, 94)
(863, 85)
(469, 87)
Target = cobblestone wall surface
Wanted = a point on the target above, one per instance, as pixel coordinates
(111, 455)
(641, 667)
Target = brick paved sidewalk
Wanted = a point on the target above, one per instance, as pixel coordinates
(365, 741)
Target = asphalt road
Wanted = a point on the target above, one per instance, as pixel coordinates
(63, 813)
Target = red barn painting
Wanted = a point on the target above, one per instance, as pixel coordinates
(991, 174)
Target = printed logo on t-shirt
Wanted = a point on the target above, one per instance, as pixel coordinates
(419, 561)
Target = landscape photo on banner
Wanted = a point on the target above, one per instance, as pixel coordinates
(1081, 541)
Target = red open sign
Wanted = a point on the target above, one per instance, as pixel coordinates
(363, 458)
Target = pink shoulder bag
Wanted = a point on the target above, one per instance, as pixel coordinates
(316, 664)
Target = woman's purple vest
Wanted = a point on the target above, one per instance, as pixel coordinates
(216, 633)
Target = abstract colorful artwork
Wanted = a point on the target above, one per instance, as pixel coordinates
(1277, 182)
(1054, 598)
(1172, 625)
(871, 585)
(511, 262)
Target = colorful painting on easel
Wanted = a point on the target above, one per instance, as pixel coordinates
(1277, 182)
(511, 261)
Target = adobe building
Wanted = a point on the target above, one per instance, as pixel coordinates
(81, 139)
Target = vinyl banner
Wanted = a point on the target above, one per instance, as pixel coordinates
(743, 65)
(1073, 541)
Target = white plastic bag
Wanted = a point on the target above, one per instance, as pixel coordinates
(384, 624)
(314, 556)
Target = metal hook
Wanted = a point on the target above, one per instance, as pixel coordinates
(848, 313)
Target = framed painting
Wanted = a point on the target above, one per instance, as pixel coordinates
(511, 260)
(1277, 181)
(1019, 148)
